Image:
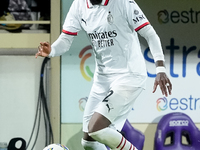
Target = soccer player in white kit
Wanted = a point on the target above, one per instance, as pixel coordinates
(120, 74)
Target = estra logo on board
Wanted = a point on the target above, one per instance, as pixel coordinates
(182, 104)
(85, 54)
(162, 104)
(82, 103)
(183, 16)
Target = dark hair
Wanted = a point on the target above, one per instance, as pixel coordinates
(95, 2)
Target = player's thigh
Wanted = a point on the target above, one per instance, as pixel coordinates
(95, 97)
(118, 103)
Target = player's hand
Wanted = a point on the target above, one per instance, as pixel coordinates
(43, 50)
(165, 85)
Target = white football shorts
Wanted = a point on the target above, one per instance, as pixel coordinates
(114, 102)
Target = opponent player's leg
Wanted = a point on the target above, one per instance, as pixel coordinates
(115, 106)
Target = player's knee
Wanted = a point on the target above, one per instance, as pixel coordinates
(98, 122)
(98, 135)
(95, 127)
(91, 128)
(87, 137)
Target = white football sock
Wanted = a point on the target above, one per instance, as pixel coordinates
(112, 138)
(92, 145)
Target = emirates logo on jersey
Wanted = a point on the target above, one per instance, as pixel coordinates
(102, 39)
(102, 35)
(110, 18)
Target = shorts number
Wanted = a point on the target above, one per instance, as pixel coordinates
(109, 94)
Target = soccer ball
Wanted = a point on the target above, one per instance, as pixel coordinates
(55, 147)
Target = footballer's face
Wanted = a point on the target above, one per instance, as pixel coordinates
(95, 2)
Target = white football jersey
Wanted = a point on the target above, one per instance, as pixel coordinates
(112, 28)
